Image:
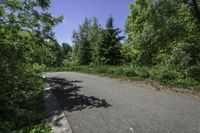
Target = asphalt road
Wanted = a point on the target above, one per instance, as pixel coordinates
(95, 104)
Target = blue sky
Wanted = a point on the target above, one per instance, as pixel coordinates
(75, 11)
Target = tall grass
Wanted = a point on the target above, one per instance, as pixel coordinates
(162, 74)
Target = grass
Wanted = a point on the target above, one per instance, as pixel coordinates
(162, 74)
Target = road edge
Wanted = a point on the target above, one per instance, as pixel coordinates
(147, 83)
(56, 117)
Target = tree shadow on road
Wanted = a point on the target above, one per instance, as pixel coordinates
(70, 98)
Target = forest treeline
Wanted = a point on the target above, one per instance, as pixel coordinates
(162, 42)
(159, 32)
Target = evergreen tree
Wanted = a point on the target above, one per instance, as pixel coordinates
(95, 39)
(66, 48)
(82, 44)
(109, 48)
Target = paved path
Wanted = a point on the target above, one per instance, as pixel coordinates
(95, 104)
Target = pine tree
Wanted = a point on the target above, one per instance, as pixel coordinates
(95, 39)
(82, 44)
(109, 48)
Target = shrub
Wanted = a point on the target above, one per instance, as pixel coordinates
(185, 55)
(21, 100)
(164, 74)
(142, 72)
(194, 72)
(118, 71)
(130, 72)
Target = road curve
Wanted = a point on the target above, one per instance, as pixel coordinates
(95, 104)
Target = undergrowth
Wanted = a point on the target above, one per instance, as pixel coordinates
(168, 76)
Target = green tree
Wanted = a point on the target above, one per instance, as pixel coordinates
(155, 27)
(24, 40)
(129, 53)
(109, 47)
(196, 10)
(83, 47)
(94, 38)
(58, 54)
(66, 48)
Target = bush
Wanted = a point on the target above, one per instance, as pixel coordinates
(187, 82)
(161, 75)
(194, 72)
(185, 55)
(142, 71)
(40, 128)
(118, 71)
(164, 74)
(101, 69)
(21, 98)
(129, 72)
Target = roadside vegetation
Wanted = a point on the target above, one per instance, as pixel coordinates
(163, 75)
(162, 43)
(25, 48)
